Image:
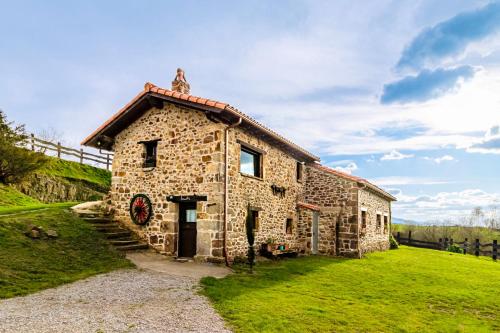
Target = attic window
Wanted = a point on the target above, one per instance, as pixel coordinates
(150, 148)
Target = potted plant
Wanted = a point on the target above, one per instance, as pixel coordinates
(270, 244)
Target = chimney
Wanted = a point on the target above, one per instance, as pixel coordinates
(180, 84)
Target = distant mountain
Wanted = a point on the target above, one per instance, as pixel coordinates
(396, 220)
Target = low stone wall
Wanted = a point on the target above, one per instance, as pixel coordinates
(50, 189)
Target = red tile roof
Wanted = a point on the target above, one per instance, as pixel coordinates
(308, 206)
(355, 179)
(151, 88)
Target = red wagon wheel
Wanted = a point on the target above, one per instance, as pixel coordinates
(141, 209)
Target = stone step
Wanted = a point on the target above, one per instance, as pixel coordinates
(129, 241)
(114, 235)
(91, 214)
(132, 247)
(97, 220)
(106, 225)
(112, 230)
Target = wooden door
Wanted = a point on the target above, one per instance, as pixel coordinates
(315, 233)
(187, 229)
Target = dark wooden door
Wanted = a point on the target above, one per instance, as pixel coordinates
(187, 229)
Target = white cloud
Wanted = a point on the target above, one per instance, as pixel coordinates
(441, 159)
(346, 166)
(395, 155)
(443, 205)
(489, 144)
(397, 180)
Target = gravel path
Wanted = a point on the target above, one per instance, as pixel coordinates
(121, 301)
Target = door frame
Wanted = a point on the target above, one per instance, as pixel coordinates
(183, 206)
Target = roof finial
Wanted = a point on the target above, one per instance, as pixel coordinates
(180, 84)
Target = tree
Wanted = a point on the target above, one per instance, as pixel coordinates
(250, 237)
(16, 162)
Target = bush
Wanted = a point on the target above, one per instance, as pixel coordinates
(393, 242)
(15, 162)
(454, 248)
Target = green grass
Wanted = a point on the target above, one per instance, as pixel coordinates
(74, 170)
(405, 290)
(9, 196)
(28, 265)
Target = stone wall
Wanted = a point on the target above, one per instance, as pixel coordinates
(371, 237)
(189, 162)
(279, 169)
(50, 189)
(337, 198)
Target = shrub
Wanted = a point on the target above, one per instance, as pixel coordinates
(15, 162)
(393, 243)
(454, 248)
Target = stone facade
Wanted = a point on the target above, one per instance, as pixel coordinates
(374, 237)
(190, 160)
(279, 169)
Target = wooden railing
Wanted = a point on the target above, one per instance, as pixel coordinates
(443, 244)
(102, 159)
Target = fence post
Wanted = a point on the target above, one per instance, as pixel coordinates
(58, 150)
(409, 237)
(495, 250)
(398, 237)
(445, 247)
(107, 161)
(81, 155)
(440, 245)
(476, 251)
(32, 142)
(466, 243)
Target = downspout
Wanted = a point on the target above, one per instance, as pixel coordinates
(226, 181)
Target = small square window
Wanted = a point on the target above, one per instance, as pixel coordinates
(150, 148)
(250, 162)
(289, 226)
(300, 171)
(379, 221)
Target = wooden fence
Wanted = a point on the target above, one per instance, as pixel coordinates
(60, 150)
(444, 243)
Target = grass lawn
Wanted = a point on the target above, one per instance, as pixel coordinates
(405, 290)
(28, 265)
(75, 170)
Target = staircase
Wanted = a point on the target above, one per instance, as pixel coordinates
(121, 239)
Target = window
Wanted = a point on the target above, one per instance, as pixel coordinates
(300, 171)
(255, 220)
(250, 162)
(379, 221)
(386, 222)
(289, 226)
(150, 153)
(363, 219)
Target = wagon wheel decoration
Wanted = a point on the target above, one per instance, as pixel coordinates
(141, 209)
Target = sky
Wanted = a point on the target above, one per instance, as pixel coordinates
(403, 93)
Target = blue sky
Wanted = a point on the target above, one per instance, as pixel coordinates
(404, 93)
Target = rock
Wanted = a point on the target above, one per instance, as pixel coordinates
(33, 233)
(52, 233)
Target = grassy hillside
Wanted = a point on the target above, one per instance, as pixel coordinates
(72, 173)
(11, 197)
(405, 290)
(74, 170)
(28, 265)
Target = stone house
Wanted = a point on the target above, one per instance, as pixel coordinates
(200, 166)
